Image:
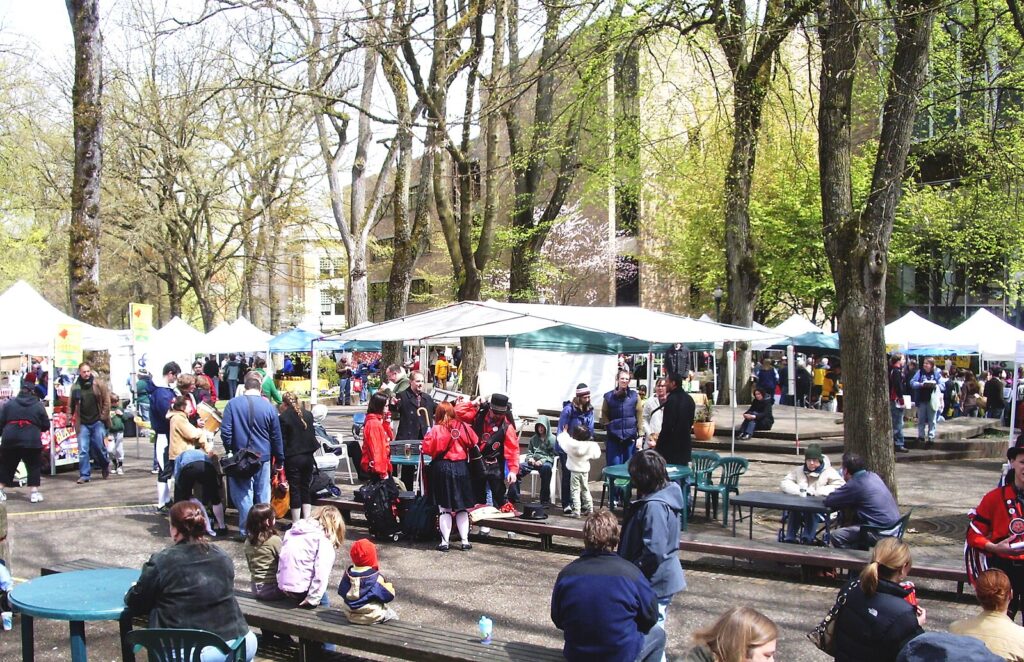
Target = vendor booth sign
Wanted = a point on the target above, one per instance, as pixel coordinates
(140, 316)
(67, 346)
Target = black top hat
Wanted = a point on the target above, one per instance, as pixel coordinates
(533, 511)
(1017, 448)
(499, 403)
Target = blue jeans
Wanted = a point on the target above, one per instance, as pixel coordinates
(345, 394)
(994, 412)
(564, 477)
(232, 387)
(211, 654)
(803, 524)
(619, 452)
(90, 443)
(246, 492)
(748, 427)
(926, 419)
(897, 424)
(654, 644)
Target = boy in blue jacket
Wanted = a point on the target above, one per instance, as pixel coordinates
(364, 590)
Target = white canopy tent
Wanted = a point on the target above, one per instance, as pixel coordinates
(176, 341)
(542, 377)
(796, 325)
(31, 325)
(238, 336)
(915, 332)
(250, 335)
(221, 340)
(995, 339)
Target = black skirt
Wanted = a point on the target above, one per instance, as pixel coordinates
(449, 485)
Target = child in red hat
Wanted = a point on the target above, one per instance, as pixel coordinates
(365, 591)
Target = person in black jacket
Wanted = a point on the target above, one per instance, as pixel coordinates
(880, 615)
(677, 360)
(674, 441)
(22, 422)
(759, 415)
(191, 585)
(412, 425)
(297, 431)
(897, 405)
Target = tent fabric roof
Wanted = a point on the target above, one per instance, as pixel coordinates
(249, 334)
(32, 325)
(994, 338)
(913, 332)
(300, 340)
(796, 325)
(493, 319)
(813, 340)
(180, 332)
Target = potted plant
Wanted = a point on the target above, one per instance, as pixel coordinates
(703, 422)
(372, 384)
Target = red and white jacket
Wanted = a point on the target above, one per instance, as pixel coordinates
(999, 517)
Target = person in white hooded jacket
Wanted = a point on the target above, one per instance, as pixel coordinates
(815, 477)
(579, 452)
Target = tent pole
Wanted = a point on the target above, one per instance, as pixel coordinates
(791, 377)
(1013, 399)
(650, 372)
(314, 371)
(508, 365)
(731, 376)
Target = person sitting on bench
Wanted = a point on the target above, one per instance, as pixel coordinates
(759, 415)
(815, 477)
(866, 498)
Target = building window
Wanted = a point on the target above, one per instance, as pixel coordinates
(325, 266)
(332, 267)
(332, 303)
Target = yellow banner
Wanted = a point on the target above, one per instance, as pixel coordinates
(67, 346)
(140, 316)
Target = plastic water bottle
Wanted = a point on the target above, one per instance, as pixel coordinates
(486, 626)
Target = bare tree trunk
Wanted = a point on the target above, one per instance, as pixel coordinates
(357, 309)
(857, 241)
(86, 99)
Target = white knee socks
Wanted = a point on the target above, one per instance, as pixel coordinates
(163, 494)
(462, 522)
(444, 522)
(306, 509)
(218, 514)
(296, 515)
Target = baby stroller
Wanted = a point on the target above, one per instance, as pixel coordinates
(332, 448)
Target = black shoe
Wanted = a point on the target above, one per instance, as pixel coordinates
(164, 509)
(465, 546)
(240, 538)
(221, 533)
(902, 449)
(928, 444)
(443, 547)
(106, 470)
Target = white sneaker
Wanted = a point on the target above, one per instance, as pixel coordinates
(3, 496)
(36, 497)
(120, 471)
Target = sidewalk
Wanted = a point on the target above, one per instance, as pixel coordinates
(114, 520)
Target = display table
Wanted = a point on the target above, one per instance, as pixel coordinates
(76, 597)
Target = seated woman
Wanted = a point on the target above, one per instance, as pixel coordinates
(878, 620)
(816, 477)
(759, 415)
(741, 633)
(191, 585)
(997, 630)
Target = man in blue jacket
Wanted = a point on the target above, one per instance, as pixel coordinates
(251, 422)
(603, 603)
(866, 497)
(160, 399)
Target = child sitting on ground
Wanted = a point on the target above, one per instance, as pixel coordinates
(364, 590)
(262, 551)
(307, 556)
(579, 452)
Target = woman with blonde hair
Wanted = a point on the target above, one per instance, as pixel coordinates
(307, 556)
(880, 615)
(741, 634)
(299, 446)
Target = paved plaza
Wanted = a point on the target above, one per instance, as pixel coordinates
(114, 521)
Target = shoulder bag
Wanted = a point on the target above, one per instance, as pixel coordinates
(245, 463)
(823, 636)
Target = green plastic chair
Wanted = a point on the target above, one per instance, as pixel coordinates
(702, 463)
(167, 645)
(728, 483)
(871, 534)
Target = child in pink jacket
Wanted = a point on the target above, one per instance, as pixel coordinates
(307, 556)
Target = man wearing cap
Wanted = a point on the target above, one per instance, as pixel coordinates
(995, 535)
(577, 411)
(814, 477)
(867, 498)
(499, 445)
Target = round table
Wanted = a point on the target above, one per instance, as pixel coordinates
(677, 473)
(76, 597)
(411, 461)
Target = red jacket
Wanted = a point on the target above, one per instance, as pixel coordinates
(439, 438)
(468, 412)
(990, 521)
(377, 436)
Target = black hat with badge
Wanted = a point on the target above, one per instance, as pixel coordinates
(1018, 446)
(499, 403)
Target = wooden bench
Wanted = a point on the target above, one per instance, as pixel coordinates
(396, 639)
(713, 545)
